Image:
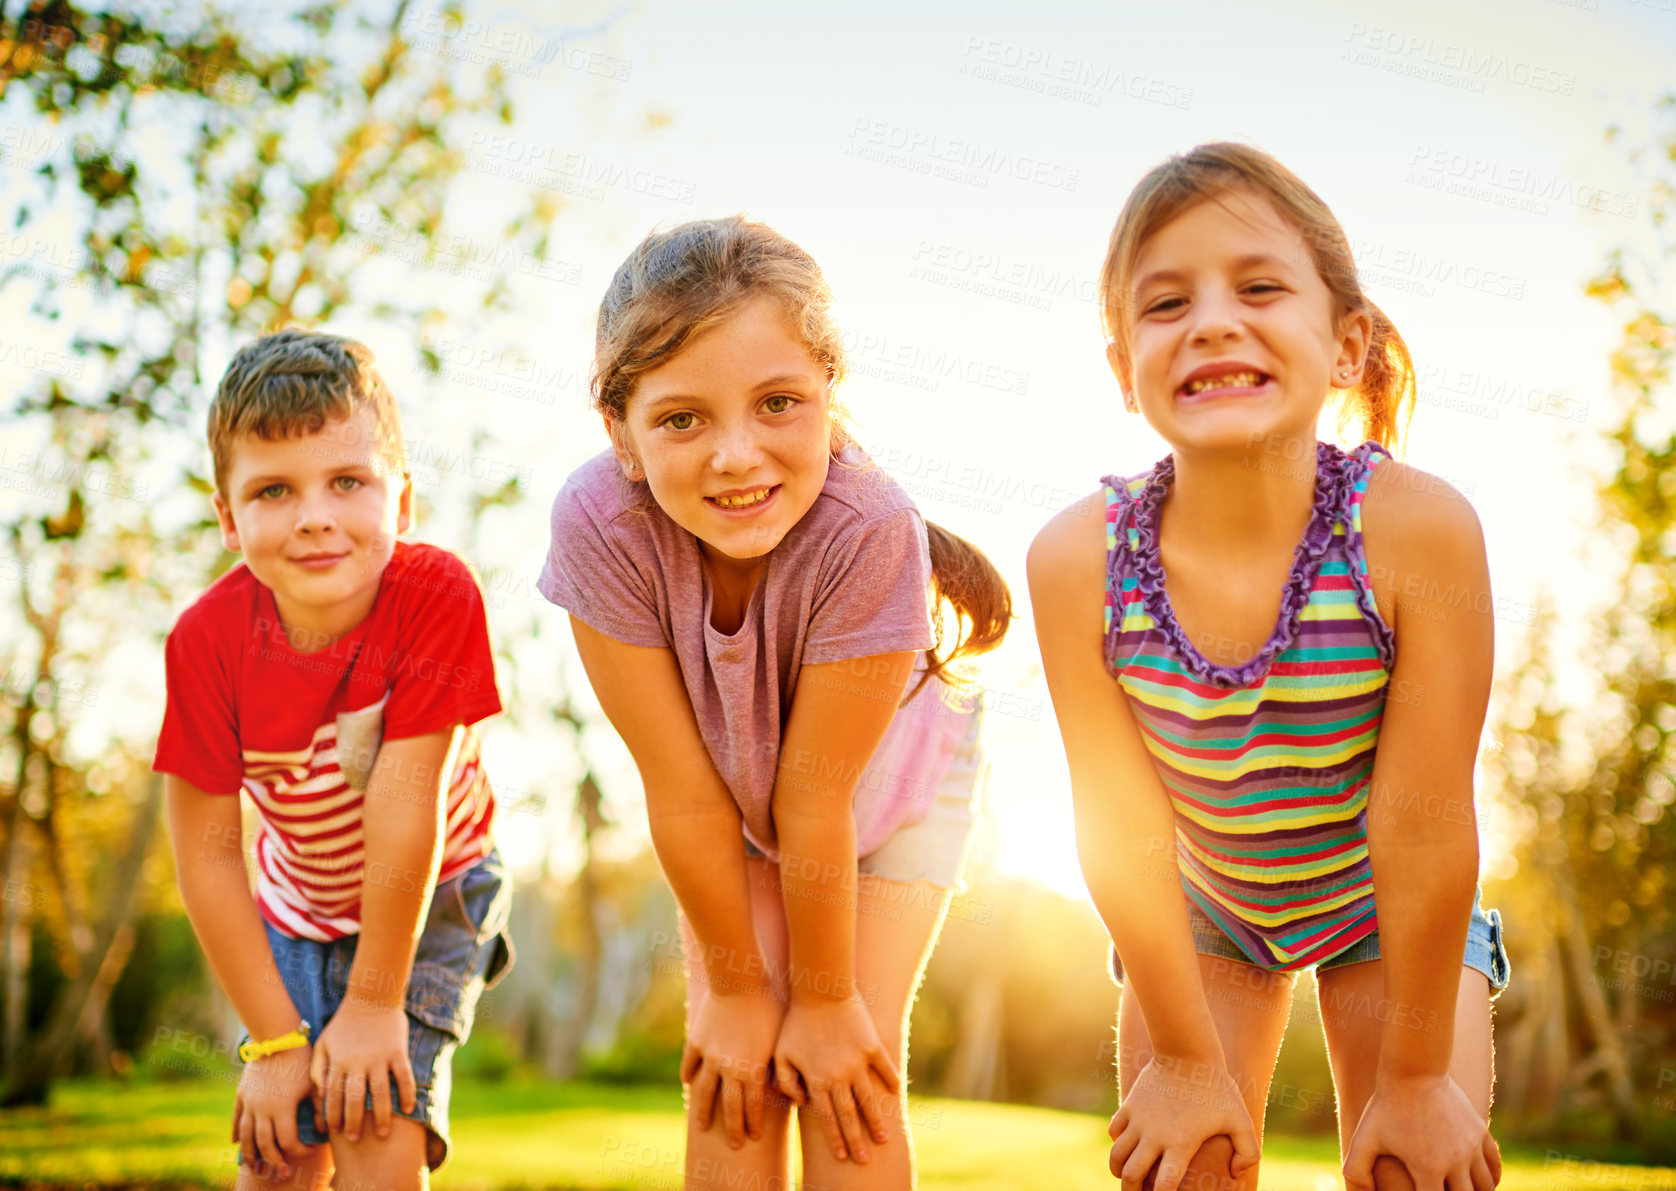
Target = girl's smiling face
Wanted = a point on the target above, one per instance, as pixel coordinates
(733, 434)
(1234, 334)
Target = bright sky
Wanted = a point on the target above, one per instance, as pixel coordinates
(956, 169)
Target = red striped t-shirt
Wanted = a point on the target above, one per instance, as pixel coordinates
(299, 731)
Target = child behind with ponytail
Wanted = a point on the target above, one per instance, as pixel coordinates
(753, 602)
(1270, 690)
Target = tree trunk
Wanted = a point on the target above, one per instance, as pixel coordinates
(15, 941)
(564, 1057)
(1609, 1050)
(40, 1062)
(94, 1027)
(1554, 1041)
(14, 936)
(975, 1069)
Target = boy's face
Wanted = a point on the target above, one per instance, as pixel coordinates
(316, 517)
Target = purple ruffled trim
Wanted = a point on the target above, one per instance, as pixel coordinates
(1384, 639)
(1335, 484)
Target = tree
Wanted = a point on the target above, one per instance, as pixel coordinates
(1591, 786)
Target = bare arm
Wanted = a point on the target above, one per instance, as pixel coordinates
(402, 821)
(402, 833)
(829, 1048)
(206, 832)
(1426, 559)
(1427, 550)
(1125, 825)
(209, 864)
(838, 717)
(696, 832)
(695, 823)
(1183, 1096)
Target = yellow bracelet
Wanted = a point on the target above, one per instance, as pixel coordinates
(250, 1051)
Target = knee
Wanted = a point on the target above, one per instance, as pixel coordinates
(1389, 1174)
(399, 1162)
(1209, 1169)
(315, 1174)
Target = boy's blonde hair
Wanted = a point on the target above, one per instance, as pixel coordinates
(294, 382)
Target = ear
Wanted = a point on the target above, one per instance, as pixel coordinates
(1125, 378)
(223, 514)
(1355, 338)
(620, 448)
(404, 510)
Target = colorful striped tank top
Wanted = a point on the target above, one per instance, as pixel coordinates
(1266, 763)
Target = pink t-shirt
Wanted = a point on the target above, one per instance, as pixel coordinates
(850, 580)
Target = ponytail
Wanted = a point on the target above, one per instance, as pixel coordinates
(965, 579)
(1385, 398)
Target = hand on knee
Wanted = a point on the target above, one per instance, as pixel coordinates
(313, 1174)
(1389, 1174)
(1209, 1169)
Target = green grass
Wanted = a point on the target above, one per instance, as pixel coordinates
(605, 1138)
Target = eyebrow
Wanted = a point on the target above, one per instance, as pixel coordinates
(1250, 260)
(772, 382)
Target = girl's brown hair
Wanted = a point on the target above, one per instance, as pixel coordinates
(681, 282)
(1385, 396)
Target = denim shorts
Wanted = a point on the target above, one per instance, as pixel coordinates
(1485, 951)
(463, 950)
(935, 848)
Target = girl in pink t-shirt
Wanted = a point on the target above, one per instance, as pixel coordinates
(750, 598)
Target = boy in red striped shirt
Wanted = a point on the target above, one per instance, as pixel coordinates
(334, 673)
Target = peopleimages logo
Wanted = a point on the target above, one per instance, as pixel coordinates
(1520, 187)
(963, 159)
(1470, 65)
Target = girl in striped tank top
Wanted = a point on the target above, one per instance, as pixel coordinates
(1271, 687)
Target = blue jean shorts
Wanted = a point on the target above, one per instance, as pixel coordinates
(463, 950)
(1485, 951)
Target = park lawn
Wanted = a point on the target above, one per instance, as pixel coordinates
(591, 1137)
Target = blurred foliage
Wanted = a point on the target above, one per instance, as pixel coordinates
(212, 169)
(1586, 1032)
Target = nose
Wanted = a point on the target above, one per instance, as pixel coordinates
(314, 514)
(737, 450)
(1217, 317)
